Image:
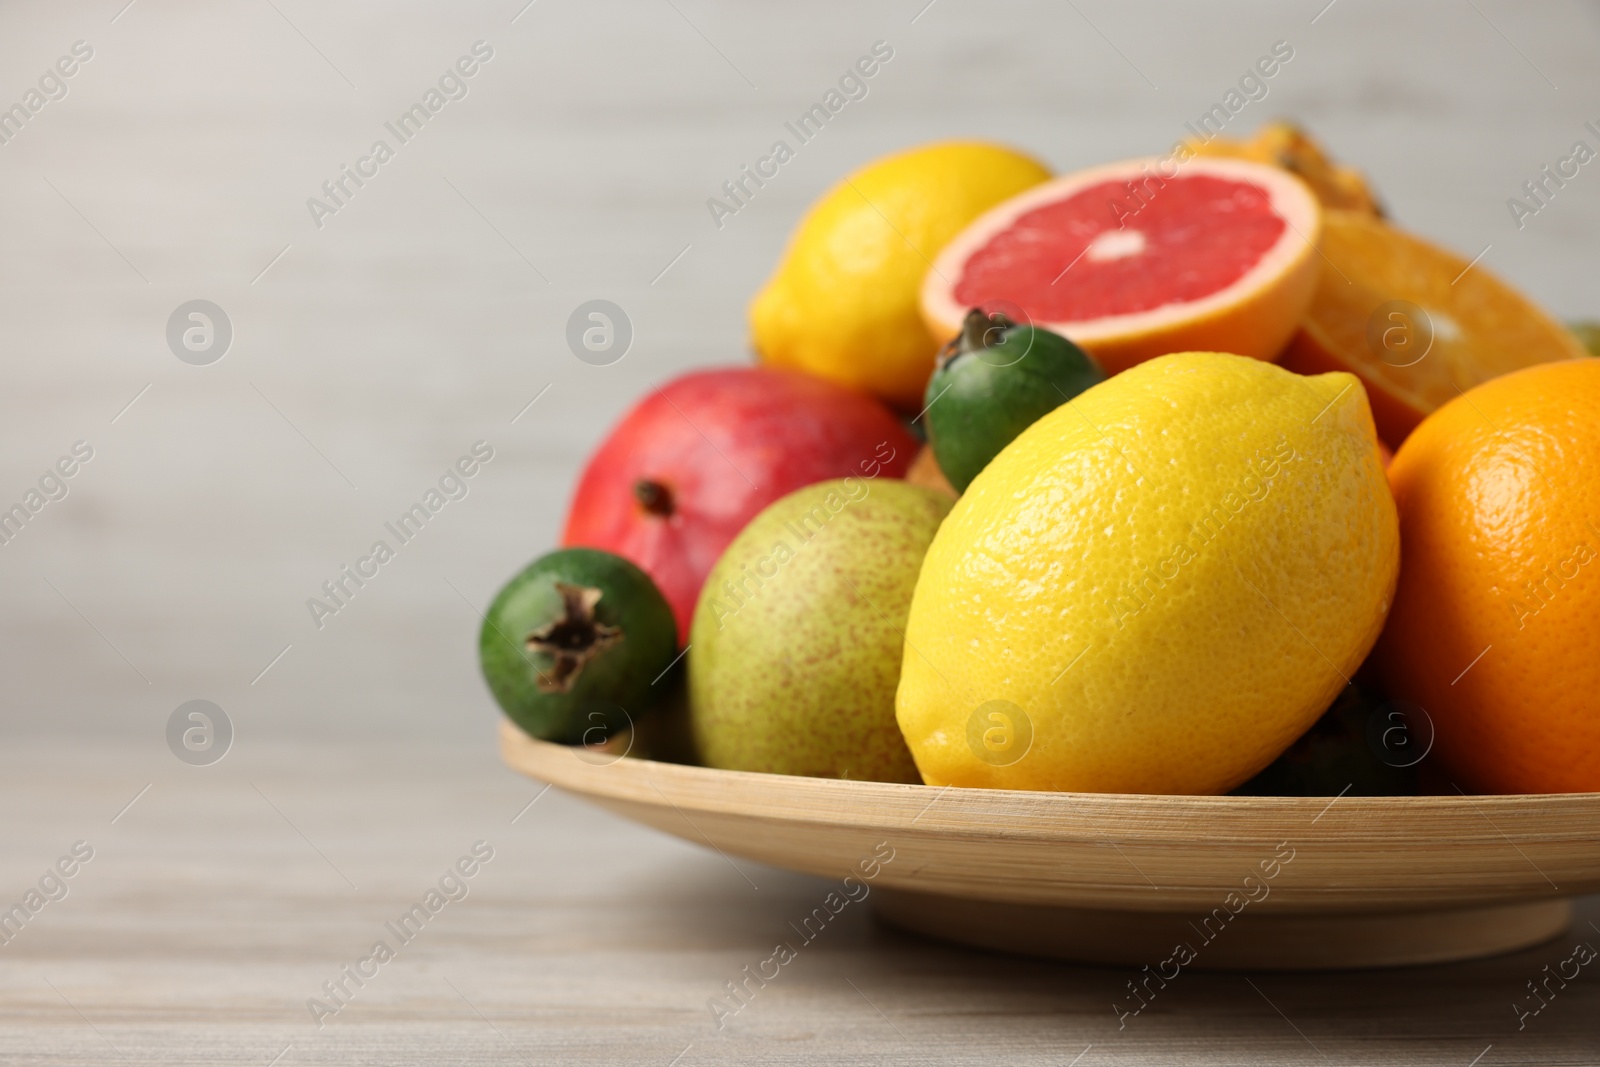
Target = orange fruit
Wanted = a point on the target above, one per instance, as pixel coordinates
(1140, 259)
(1286, 145)
(924, 471)
(1495, 629)
(1414, 323)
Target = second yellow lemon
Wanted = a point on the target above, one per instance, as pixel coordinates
(843, 301)
(1155, 588)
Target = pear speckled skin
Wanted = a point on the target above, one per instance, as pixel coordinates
(797, 635)
(1171, 576)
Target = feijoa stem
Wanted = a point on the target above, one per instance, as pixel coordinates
(980, 331)
(973, 328)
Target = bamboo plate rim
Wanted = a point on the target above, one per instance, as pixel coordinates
(819, 800)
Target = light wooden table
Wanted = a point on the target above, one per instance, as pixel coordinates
(226, 896)
(425, 315)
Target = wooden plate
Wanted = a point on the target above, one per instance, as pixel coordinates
(1219, 882)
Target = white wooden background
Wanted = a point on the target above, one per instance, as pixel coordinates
(370, 353)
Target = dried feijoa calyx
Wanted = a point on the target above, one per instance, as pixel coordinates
(994, 380)
(573, 645)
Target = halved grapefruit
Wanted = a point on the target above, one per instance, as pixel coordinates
(1417, 324)
(1138, 259)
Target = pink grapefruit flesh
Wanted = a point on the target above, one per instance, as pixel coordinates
(1138, 259)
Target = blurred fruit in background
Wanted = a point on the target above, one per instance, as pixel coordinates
(1130, 261)
(697, 458)
(1168, 581)
(1495, 630)
(842, 303)
(926, 473)
(1283, 144)
(796, 646)
(1414, 323)
(1588, 334)
(994, 380)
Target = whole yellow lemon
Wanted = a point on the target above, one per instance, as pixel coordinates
(1155, 588)
(843, 303)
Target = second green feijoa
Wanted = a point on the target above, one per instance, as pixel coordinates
(572, 646)
(1588, 332)
(992, 381)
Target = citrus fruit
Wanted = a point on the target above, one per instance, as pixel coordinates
(570, 645)
(1138, 259)
(1283, 144)
(1156, 588)
(994, 380)
(1414, 323)
(843, 301)
(924, 471)
(694, 461)
(1495, 631)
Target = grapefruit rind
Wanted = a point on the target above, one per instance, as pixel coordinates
(1254, 316)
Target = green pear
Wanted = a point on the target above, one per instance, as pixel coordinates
(797, 636)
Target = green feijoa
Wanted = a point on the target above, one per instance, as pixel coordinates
(994, 380)
(572, 646)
